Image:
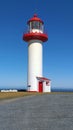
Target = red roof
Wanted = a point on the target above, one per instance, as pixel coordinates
(43, 78)
(35, 18)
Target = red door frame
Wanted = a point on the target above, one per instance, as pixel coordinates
(40, 86)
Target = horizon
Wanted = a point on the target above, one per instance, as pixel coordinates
(53, 89)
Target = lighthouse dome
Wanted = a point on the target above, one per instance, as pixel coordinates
(35, 30)
(35, 18)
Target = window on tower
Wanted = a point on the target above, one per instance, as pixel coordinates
(36, 25)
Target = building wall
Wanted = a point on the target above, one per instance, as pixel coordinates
(34, 63)
(46, 88)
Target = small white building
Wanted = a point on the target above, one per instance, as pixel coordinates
(9, 90)
(44, 84)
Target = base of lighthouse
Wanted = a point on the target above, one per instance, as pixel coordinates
(42, 85)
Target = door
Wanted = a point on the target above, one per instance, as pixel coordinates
(40, 86)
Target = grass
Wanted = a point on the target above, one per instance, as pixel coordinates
(10, 95)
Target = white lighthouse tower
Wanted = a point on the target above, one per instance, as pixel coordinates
(35, 37)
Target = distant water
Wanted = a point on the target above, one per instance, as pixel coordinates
(62, 89)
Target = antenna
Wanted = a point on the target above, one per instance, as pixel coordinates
(36, 7)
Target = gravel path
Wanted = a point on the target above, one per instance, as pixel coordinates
(40, 112)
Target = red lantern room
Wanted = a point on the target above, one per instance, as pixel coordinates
(35, 30)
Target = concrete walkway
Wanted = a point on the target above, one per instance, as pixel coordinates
(40, 112)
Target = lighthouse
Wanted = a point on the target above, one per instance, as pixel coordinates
(35, 37)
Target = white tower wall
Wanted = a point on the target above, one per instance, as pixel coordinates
(34, 63)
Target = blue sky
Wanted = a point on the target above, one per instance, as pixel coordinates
(58, 50)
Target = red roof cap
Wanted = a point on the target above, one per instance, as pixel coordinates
(43, 78)
(35, 18)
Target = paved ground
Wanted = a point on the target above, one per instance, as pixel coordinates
(42, 112)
